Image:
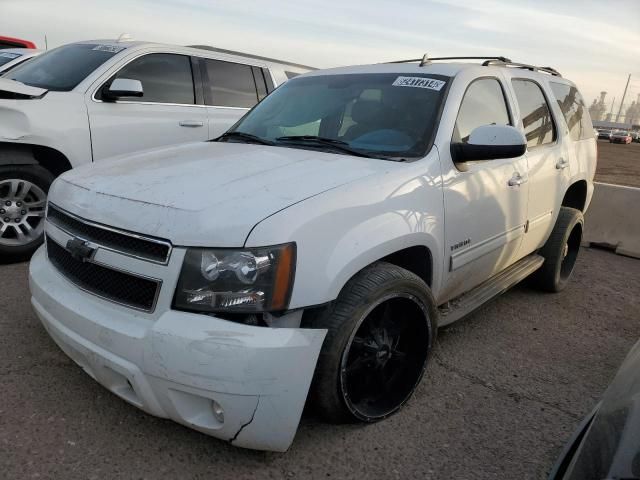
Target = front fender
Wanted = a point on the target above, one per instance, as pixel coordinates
(57, 121)
(340, 232)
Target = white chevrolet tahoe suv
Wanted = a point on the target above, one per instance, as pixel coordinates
(87, 101)
(319, 243)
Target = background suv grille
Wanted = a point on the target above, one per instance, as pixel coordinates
(113, 285)
(148, 248)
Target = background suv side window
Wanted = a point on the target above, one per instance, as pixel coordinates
(230, 84)
(572, 106)
(165, 77)
(483, 104)
(535, 113)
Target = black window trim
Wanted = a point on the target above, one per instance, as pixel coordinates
(198, 80)
(258, 78)
(551, 114)
(101, 84)
(504, 97)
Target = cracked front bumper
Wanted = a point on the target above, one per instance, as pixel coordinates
(178, 364)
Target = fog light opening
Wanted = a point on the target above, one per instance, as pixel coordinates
(218, 411)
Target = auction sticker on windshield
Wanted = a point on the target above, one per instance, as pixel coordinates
(108, 48)
(419, 82)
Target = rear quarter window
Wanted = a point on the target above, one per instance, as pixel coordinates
(573, 110)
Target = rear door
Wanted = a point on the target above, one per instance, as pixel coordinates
(166, 114)
(548, 155)
(485, 209)
(230, 90)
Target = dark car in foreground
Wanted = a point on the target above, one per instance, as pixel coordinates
(606, 445)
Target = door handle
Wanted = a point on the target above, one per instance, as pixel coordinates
(562, 164)
(190, 123)
(517, 180)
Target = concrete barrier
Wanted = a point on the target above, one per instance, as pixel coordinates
(613, 219)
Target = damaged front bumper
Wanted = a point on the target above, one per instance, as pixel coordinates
(239, 383)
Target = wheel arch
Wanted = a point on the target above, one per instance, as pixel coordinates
(49, 158)
(576, 195)
(417, 259)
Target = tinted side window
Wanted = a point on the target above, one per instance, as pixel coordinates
(483, 104)
(535, 113)
(573, 110)
(291, 75)
(165, 77)
(230, 84)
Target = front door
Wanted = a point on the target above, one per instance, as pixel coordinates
(166, 114)
(485, 202)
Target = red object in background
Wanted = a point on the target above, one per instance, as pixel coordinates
(9, 42)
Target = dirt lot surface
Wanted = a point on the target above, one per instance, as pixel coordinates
(502, 394)
(618, 163)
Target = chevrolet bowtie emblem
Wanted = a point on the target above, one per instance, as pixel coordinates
(80, 249)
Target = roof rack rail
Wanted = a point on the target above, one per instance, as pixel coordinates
(249, 55)
(526, 66)
(488, 61)
(425, 60)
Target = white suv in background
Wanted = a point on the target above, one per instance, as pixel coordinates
(91, 100)
(326, 236)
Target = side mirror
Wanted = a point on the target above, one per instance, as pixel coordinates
(490, 142)
(123, 87)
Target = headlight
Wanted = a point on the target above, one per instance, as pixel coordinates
(236, 280)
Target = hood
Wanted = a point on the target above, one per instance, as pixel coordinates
(20, 90)
(611, 446)
(203, 194)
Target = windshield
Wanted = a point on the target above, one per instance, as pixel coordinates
(6, 57)
(381, 114)
(63, 68)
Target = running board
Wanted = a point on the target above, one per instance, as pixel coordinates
(460, 306)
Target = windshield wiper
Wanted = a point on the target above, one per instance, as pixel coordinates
(326, 142)
(247, 137)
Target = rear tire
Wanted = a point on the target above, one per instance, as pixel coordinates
(560, 252)
(23, 195)
(381, 331)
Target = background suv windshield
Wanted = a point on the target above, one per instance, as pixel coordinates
(63, 68)
(382, 114)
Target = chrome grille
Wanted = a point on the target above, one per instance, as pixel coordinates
(116, 286)
(128, 243)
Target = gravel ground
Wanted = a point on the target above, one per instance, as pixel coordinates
(618, 163)
(502, 394)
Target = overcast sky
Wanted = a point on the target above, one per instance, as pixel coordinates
(580, 38)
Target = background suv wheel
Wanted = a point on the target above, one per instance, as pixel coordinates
(23, 198)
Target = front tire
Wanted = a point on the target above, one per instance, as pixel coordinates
(23, 197)
(560, 252)
(381, 331)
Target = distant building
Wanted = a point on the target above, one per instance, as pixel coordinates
(598, 109)
(632, 114)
